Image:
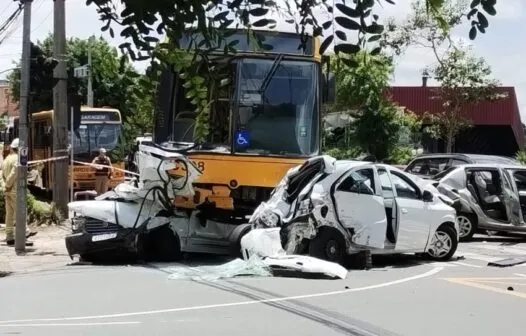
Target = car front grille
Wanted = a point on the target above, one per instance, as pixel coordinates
(97, 226)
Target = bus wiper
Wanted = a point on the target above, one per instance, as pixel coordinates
(270, 74)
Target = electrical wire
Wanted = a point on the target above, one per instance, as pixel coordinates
(4, 27)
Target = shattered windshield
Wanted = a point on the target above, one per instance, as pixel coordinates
(278, 107)
(90, 137)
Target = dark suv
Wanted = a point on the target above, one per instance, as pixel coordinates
(434, 166)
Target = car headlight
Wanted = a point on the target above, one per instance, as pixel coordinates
(77, 223)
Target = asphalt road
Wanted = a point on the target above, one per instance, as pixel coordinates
(400, 296)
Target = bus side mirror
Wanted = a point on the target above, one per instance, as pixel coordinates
(329, 88)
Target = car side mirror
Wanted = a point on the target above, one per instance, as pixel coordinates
(427, 196)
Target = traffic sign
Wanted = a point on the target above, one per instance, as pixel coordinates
(81, 71)
(22, 157)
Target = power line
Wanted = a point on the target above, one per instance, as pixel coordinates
(9, 22)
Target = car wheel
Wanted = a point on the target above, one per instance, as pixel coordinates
(328, 245)
(467, 224)
(443, 244)
(163, 245)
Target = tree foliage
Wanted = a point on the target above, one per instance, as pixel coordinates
(212, 18)
(463, 79)
(377, 123)
(115, 83)
(113, 76)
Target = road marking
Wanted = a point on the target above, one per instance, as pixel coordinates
(466, 264)
(232, 304)
(503, 249)
(68, 324)
(476, 283)
(481, 257)
(521, 275)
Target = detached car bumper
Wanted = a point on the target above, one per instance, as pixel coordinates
(85, 243)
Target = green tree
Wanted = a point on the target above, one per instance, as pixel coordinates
(463, 78)
(115, 84)
(113, 75)
(377, 123)
(210, 19)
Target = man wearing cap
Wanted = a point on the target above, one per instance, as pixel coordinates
(9, 170)
(103, 171)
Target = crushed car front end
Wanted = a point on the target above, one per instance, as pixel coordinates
(92, 236)
(126, 219)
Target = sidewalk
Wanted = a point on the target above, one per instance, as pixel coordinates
(48, 252)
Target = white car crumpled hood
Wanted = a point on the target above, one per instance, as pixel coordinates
(265, 244)
(125, 200)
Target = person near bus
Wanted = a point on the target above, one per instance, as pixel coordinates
(103, 172)
(9, 173)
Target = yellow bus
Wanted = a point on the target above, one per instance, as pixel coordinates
(99, 127)
(265, 119)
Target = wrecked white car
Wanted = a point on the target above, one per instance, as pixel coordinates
(330, 208)
(141, 220)
(492, 197)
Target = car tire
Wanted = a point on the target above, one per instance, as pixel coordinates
(443, 244)
(163, 245)
(328, 245)
(467, 223)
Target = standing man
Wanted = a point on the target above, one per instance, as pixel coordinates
(9, 178)
(103, 172)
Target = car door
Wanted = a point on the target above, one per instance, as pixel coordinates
(511, 198)
(413, 213)
(361, 208)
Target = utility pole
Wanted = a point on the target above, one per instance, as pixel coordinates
(60, 109)
(90, 87)
(21, 204)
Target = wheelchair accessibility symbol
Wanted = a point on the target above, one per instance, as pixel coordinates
(242, 138)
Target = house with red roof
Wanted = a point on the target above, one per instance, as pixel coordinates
(496, 126)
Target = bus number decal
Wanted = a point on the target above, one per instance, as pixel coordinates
(199, 164)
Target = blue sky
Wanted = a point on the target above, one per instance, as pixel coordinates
(501, 46)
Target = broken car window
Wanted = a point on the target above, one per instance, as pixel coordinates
(520, 179)
(404, 187)
(360, 182)
(428, 166)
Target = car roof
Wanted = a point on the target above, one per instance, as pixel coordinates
(483, 158)
(492, 165)
(349, 164)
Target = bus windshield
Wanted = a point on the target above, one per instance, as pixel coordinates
(278, 107)
(90, 137)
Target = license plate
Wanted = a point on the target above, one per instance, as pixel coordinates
(102, 237)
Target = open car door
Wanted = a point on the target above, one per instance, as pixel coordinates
(511, 198)
(360, 208)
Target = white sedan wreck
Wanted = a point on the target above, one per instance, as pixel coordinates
(330, 208)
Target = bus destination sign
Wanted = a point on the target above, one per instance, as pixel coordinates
(99, 116)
